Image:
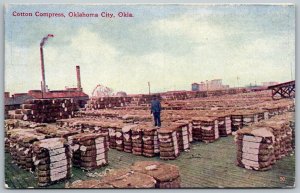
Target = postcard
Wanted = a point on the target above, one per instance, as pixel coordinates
(149, 96)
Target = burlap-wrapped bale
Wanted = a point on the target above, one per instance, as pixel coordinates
(182, 135)
(21, 146)
(88, 184)
(90, 151)
(127, 137)
(166, 175)
(125, 178)
(255, 148)
(52, 158)
(137, 140)
(168, 143)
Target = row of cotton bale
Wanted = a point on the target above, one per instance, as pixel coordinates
(107, 102)
(138, 139)
(49, 151)
(45, 110)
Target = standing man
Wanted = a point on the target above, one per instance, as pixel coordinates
(155, 109)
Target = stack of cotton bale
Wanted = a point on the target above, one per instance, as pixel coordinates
(127, 137)
(236, 121)
(108, 102)
(126, 178)
(279, 128)
(196, 129)
(52, 160)
(119, 139)
(137, 140)
(272, 111)
(150, 141)
(166, 175)
(112, 137)
(45, 110)
(209, 129)
(182, 135)
(89, 151)
(255, 148)
(224, 125)
(21, 141)
(224, 122)
(259, 115)
(168, 143)
(249, 117)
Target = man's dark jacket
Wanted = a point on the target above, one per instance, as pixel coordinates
(155, 106)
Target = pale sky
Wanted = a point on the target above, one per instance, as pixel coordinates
(170, 46)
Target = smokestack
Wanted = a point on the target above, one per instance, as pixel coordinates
(44, 89)
(43, 70)
(78, 78)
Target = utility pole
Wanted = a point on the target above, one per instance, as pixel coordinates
(149, 88)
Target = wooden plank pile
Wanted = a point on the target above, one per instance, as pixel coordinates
(168, 143)
(45, 110)
(52, 158)
(90, 151)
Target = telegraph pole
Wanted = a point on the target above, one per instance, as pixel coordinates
(149, 88)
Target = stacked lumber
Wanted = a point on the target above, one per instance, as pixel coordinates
(137, 140)
(182, 135)
(108, 102)
(150, 140)
(168, 143)
(45, 110)
(166, 175)
(52, 158)
(90, 151)
(20, 146)
(255, 148)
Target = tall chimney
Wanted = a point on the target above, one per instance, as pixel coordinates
(78, 78)
(43, 70)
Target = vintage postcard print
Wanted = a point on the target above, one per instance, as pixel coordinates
(149, 96)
